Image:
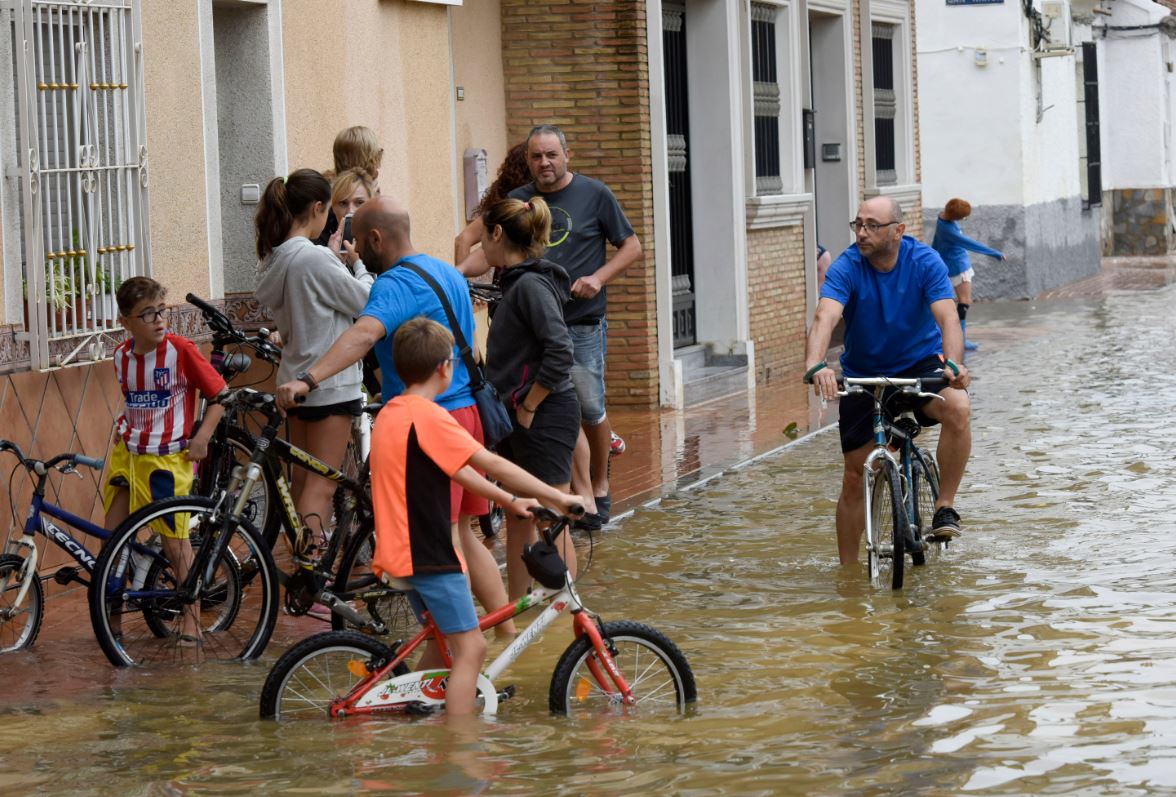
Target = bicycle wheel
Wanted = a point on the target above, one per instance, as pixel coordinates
(19, 625)
(654, 667)
(220, 602)
(888, 524)
(493, 522)
(925, 483)
(137, 612)
(309, 676)
(355, 576)
(264, 509)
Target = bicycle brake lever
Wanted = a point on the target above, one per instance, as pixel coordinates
(68, 469)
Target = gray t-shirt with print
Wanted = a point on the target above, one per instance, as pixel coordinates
(584, 217)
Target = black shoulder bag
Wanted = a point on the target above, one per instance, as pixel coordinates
(496, 425)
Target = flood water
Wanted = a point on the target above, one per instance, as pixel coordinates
(1033, 657)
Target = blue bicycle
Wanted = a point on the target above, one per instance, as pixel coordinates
(140, 602)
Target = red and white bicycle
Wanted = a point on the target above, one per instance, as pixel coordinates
(617, 666)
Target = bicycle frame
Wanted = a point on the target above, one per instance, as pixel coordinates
(36, 521)
(377, 693)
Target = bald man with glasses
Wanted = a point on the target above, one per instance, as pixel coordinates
(900, 321)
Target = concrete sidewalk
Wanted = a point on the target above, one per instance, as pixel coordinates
(670, 450)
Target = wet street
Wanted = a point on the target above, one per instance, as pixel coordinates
(1035, 656)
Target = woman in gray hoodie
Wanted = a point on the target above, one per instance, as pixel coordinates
(529, 361)
(314, 299)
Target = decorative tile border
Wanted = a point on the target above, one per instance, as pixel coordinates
(244, 310)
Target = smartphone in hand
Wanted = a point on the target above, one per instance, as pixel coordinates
(348, 236)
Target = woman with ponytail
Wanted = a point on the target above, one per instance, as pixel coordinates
(313, 298)
(529, 361)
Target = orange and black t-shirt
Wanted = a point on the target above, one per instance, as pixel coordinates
(416, 447)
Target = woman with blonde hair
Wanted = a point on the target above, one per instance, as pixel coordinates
(529, 361)
(349, 190)
(354, 148)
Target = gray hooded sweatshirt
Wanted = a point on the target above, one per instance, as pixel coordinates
(314, 299)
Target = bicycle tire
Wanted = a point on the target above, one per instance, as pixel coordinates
(237, 610)
(888, 521)
(355, 573)
(13, 634)
(303, 682)
(264, 509)
(925, 488)
(655, 668)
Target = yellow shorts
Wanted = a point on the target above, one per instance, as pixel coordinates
(150, 477)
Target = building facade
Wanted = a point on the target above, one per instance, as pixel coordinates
(1004, 128)
(737, 135)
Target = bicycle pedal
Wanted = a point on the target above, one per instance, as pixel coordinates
(507, 692)
(66, 575)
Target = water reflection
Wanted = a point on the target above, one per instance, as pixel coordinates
(1035, 656)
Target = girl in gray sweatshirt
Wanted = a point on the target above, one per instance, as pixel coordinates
(314, 298)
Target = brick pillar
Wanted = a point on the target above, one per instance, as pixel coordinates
(584, 67)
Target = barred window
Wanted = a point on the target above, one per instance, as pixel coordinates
(81, 163)
(885, 104)
(766, 97)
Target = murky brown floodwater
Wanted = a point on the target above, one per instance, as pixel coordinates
(1035, 657)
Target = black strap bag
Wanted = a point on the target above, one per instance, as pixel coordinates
(496, 425)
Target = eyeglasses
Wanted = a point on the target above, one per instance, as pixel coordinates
(869, 226)
(449, 360)
(150, 316)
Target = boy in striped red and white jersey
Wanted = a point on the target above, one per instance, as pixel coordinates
(155, 449)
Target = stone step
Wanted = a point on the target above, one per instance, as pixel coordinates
(711, 382)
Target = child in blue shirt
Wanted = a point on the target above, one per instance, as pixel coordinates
(953, 246)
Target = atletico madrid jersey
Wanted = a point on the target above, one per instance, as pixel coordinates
(160, 391)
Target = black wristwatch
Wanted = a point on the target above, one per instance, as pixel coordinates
(304, 376)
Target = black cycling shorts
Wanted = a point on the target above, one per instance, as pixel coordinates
(855, 414)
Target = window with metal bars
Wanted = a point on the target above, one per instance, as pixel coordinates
(766, 97)
(885, 104)
(81, 163)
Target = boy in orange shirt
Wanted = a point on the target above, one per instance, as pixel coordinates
(417, 448)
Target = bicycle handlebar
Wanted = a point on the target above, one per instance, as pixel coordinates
(70, 459)
(923, 387)
(222, 327)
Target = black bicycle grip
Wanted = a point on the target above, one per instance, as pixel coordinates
(89, 462)
(576, 509)
(300, 398)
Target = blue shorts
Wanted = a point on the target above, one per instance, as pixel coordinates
(590, 344)
(447, 597)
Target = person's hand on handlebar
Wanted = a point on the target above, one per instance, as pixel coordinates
(957, 376)
(825, 383)
(521, 507)
(287, 393)
(275, 338)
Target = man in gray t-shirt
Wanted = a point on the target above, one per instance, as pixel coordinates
(585, 217)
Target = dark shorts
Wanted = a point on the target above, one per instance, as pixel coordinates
(855, 418)
(545, 450)
(352, 409)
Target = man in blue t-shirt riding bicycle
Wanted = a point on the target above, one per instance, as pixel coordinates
(900, 317)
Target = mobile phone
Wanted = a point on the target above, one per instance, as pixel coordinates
(347, 234)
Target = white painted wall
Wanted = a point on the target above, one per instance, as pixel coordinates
(1136, 114)
(970, 116)
(1049, 146)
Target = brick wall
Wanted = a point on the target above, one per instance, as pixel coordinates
(776, 311)
(583, 65)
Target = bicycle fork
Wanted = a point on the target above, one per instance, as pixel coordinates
(27, 573)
